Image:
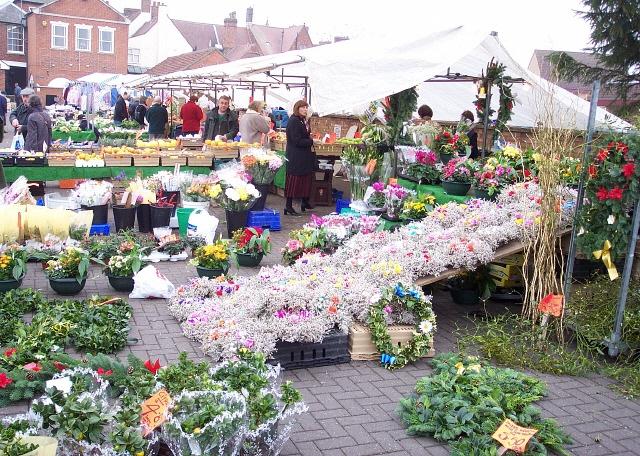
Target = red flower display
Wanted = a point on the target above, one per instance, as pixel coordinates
(622, 147)
(152, 367)
(33, 367)
(603, 154)
(5, 381)
(10, 352)
(628, 169)
(106, 373)
(615, 193)
(59, 366)
(602, 194)
(593, 171)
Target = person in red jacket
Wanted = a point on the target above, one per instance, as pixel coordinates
(191, 116)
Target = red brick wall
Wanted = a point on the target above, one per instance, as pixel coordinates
(4, 55)
(45, 63)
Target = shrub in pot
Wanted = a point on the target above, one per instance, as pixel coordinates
(13, 267)
(249, 245)
(68, 272)
(122, 267)
(457, 176)
(212, 260)
(492, 178)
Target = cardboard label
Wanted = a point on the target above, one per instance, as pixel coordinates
(154, 411)
(513, 437)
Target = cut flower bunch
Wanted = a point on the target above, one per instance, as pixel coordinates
(93, 193)
(262, 167)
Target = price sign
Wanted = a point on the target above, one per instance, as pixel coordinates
(513, 437)
(552, 304)
(154, 411)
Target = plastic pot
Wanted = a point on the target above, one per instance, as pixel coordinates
(174, 198)
(455, 188)
(465, 297)
(445, 158)
(68, 286)
(249, 260)
(11, 284)
(235, 220)
(100, 213)
(260, 202)
(121, 283)
(124, 217)
(160, 216)
(144, 218)
(484, 194)
(211, 273)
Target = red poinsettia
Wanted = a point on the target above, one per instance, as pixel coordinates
(152, 367)
(59, 366)
(10, 352)
(593, 171)
(602, 194)
(615, 193)
(33, 367)
(5, 381)
(629, 169)
(622, 147)
(106, 373)
(603, 154)
(247, 235)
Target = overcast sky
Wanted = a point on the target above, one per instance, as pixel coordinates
(522, 26)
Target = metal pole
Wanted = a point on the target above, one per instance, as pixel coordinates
(586, 153)
(171, 116)
(485, 126)
(306, 89)
(614, 342)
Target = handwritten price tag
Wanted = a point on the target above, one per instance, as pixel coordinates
(513, 437)
(154, 411)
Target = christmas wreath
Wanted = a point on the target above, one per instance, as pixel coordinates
(400, 300)
(495, 76)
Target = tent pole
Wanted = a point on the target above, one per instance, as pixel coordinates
(485, 126)
(171, 115)
(586, 152)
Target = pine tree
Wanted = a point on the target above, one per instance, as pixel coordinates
(615, 42)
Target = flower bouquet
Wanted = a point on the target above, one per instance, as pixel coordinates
(424, 169)
(395, 195)
(492, 178)
(249, 245)
(13, 266)
(262, 167)
(237, 198)
(95, 196)
(212, 260)
(457, 176)
(450, 145)
(67, 273)
(360, 164)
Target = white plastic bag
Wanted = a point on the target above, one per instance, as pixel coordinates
(18, 142)
(202, 224)
(149, 283)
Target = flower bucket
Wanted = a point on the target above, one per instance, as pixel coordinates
(484, 194)
(249, 260)
(67, 286)
(144, 218)
(235, 220)
(183, 219)
(445, 158)
(260, 202)
(100, 213)
(160, 216)
(174, 198)
(124, 284)
(210, 273)
(124, 217)
(456, 188)
(11, 284)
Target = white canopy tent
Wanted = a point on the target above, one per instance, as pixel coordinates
(348, 75)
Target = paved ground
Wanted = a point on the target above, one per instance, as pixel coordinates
(352, 406)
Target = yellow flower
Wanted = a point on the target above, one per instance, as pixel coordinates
(197, 430)
(519, 221)
(460, 368)
(242, 193)
(397, 268)
(474, 367)
(537, 219)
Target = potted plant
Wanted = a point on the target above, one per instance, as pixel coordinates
(237, 197)
(457, 176)
(212, 260)
(95, 196)
(161, 211)
(470, 287)
(13, 267)
(417, 208)
(395, 195)
(263, 169)
(249, 245)
(122, 267)
(450, 145)
(492, 178)
(424, 169)
(174, 246)
(376, 200)
(68, 272)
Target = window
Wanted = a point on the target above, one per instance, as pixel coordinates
(15, 39)
(83, 38)
(134, 56)
(59, 35)
(106, 40)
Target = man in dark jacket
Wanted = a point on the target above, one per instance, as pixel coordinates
(120, 111)
(157, 118)
(39, 131)
(19, 116)
(222, 121)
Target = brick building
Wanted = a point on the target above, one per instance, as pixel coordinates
(13, 59)
(72, 38)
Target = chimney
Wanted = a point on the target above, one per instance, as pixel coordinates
(145, 6)
(155, 7)
(250, 15)
(230, 30)
(231, 21)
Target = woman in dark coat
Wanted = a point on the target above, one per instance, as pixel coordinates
(301, 160)
(38, 127)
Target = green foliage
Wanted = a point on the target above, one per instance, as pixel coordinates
(13, 304)
(80, 418)
(463, 402)
(398, 109)
(127, 438)
(185, 375)
(10, 444)
(614, 41)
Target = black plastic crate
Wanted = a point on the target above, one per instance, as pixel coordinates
(30, 161)
(7, 161)
(297, 355)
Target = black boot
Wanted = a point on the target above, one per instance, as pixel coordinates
(288, 210)
(305, 204)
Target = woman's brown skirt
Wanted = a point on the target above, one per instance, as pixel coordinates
(298, 186)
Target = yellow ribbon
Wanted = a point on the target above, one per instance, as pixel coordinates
(605, 254)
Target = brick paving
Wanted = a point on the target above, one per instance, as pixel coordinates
(352, 406)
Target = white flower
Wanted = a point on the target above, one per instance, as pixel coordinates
(253, 191)
(232, 194)
(426, 326)
(611, 219)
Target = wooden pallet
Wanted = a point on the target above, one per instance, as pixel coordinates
(362, 348)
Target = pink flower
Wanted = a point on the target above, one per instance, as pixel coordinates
(33, 367)
(293, 245)
(388, 309)
(379, 186)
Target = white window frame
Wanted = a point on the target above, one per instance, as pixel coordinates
(136, 54)
(9, 29)
(113, 39)
(65, 26)
(89, 28)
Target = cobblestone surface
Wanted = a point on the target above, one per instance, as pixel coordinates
(352, 406)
